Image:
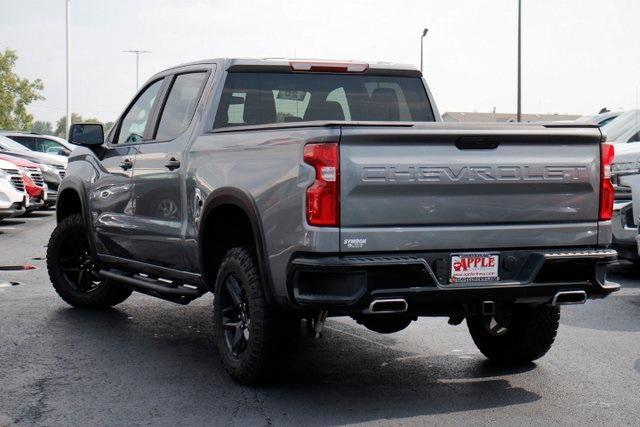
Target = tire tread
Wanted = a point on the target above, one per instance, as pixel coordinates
(531, 334)
(110, 293)
(273, 335)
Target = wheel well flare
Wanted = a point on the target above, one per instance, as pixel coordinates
(68, 204)
(225, 227)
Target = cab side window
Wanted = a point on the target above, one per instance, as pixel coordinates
(180, 105)
(48, 146)
(27, 141)
(135, 120)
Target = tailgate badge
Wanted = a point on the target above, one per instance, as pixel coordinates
(355, 243)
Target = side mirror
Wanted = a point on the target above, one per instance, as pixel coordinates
(86, 134)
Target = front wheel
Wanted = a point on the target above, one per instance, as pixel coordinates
(254, 342)
(74, 271)
(527, 336)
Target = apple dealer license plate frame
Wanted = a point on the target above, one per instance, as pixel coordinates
(468, 267)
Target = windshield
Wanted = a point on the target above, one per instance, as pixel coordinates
(623, 128)
(10, 145)
(263, 98)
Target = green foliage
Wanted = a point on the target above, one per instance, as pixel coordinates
(43, 128)
(16, 94)
(75, 118)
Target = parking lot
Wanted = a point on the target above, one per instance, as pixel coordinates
(153, 362)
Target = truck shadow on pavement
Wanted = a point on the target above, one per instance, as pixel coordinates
(159, 354)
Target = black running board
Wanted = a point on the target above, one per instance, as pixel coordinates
(154, 288)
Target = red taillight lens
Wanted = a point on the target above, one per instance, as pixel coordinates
(323, 196)
(606, 187)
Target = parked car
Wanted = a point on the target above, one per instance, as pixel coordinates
(12, 193)
(623, 129)
(34, 183)
(301, 190)
(625, 175)
(600, 119)
(53, 167)
(41, 143)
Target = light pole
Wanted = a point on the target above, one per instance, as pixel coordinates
(519, 60)
(68, 71)
(424, 33)
(138, 53)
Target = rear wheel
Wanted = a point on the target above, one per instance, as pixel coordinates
(254, 342)
(525, 336)
(74, 271)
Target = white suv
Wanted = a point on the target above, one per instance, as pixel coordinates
(12, 194)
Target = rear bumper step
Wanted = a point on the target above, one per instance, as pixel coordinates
(355, 283)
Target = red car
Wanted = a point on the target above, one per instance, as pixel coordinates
(33, 181)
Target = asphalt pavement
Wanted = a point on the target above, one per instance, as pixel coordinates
(153, 362)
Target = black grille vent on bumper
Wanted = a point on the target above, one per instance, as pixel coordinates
(36, 176)
(17, 182)
(61, 171)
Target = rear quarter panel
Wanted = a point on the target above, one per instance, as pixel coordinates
(266, 165)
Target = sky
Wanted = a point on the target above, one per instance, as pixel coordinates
(578, 55)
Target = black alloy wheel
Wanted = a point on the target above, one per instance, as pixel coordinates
(236, 320)
(77, 264)
(73, 270)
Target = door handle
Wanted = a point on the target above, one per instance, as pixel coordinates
(172, 164)
(126, 164)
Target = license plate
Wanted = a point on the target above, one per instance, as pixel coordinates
(474, 267)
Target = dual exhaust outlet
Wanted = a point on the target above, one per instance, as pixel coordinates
(387, 306)
(400, 305)
(569, 298)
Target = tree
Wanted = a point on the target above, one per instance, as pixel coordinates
(75, 118)
(15, 94)
(44, 128)
(61, 124)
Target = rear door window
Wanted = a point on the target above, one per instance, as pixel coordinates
(180, 106)
(264, 98)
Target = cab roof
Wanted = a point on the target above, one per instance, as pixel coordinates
(284, 64)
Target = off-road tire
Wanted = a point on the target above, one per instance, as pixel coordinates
(273, 335)
(529, 335)
(106, 294)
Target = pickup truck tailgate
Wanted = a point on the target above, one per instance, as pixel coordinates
(479, 179)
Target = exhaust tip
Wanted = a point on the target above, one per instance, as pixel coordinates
(569, 298)
(382, 306)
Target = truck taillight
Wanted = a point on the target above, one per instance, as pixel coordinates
(606, 187)
(323, 196)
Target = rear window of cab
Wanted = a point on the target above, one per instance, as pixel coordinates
(266, 98)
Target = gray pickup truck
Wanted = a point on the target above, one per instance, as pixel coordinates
(297, 190)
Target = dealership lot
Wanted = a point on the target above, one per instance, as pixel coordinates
(149, 361)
